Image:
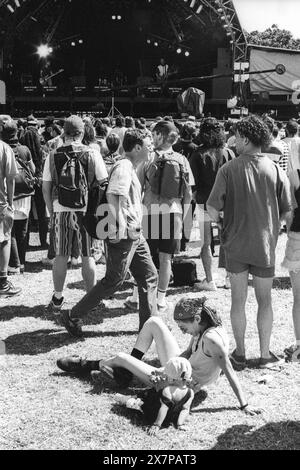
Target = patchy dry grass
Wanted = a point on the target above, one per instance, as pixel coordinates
(42, 408)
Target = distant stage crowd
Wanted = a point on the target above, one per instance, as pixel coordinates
(147, 184)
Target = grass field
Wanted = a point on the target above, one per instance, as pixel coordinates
(43, 408)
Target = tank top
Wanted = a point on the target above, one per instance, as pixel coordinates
(205, 370)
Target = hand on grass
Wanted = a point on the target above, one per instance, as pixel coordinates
(252, 411)
(153, 430)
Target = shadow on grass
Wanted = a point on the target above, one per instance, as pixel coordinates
(35, 267)
(20, 311)
(43, 341)
(80, 285)
(284, 435)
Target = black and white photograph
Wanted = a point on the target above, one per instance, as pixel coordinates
(149, 228)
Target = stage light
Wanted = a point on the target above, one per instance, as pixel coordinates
(44, 50)
(10, 8)
(80, 41)
(156, 44)
(179, 50)
(119, 17)
(199, 9)
(225, 25)
(228, 33)
(220, 10)
(73, 44)
(148, 41)
(113, 17)
(17, 3)
(186, 53)
(193, 3)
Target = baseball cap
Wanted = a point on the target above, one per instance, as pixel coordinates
(10, 131)
(73, 126)
(178, 368)
(186, 308)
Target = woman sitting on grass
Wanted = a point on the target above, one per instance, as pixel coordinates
(208, 352)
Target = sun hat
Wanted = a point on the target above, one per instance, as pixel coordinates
(178, 368)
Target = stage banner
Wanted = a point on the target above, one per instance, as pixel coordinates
(191, 101)
(271, 82)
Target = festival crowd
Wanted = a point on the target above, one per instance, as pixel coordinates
(126, 193)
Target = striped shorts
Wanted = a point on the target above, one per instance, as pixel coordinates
(69, 234)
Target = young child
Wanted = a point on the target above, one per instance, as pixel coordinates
(170, 399)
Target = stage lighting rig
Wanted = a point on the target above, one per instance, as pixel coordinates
(44, 50)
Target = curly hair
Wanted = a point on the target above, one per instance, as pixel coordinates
(211, 134)
(254, 129)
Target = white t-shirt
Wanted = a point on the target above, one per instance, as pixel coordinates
(100, 174)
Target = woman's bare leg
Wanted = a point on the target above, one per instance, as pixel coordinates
(156, 330)
(138, 368)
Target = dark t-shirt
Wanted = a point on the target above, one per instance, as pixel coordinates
(185, 148)
(205, 164)
(253, 192)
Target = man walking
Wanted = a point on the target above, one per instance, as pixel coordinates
(126, 246)
(66, 220)
(254, 194)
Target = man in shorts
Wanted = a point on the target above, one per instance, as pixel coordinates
(163, 220)
(255, 195)
(8, 172)
(67, 223)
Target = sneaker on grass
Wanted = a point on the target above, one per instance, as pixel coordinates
(72, 325)
(9, 290)
(56, 304)
(77, 365)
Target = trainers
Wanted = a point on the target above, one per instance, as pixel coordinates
(47, 261)
(56, 304)
(131, 305)
(9, 290)
(72, 325)
(238, 362)
(75, 364)
(209, 286)
(292, 353)
(12, 271)
(270, 363)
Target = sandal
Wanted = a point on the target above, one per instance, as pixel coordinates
(270, 363)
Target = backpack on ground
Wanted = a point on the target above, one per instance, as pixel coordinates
(168, 177)
(25, 180)
(184, 272)
(71, 184)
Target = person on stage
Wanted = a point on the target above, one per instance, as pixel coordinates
(162, 71)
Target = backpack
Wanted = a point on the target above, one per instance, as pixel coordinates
(96, 199)
(184, 272)
(25, 180)
(168, 177)
(71, 181)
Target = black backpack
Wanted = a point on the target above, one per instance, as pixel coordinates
(96, 210)
(184, 272)
(168, 177)
(25, 180)
(71, 182)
